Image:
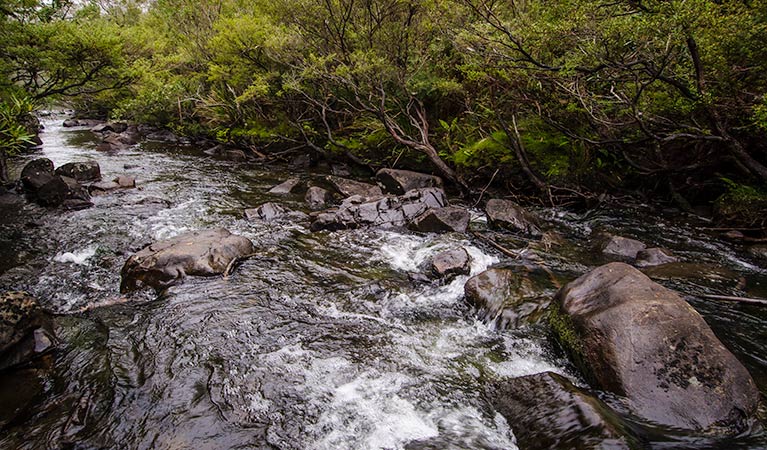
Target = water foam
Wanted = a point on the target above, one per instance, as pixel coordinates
(79, 257)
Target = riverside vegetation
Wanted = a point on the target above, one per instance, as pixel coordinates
(560, 102)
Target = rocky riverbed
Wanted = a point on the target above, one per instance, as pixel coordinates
(179, 296)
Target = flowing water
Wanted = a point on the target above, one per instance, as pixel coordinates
(321, 341)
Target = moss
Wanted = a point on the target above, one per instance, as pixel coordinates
(569, 338)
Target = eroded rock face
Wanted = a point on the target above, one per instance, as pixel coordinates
(81, 171)
(451, 262)
(505, 296)
(389, 211)
(350, 188)
(200, 253)
(442, 220)
(26, 330)
(642, 341)
(505, 214)
(400, 181)
(547, 412)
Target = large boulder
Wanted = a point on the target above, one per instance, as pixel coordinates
(48, 189)
(81, 171)
(442, 219)
(165, 263)
(642, 341)
(400, 181)
(505, 214)
(388, 211)
(451, 262)
(350, 188)
(507, 296)
(26, 330)
(36, 173)
(546, 412)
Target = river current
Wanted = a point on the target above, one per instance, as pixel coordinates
(321, 341)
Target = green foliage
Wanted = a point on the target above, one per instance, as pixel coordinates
(14, 135)
(742, 203)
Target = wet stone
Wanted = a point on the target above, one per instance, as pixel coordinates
(266, 212)
(400, 181)
(26, 330)
(654, 257)
(317, 198)
(442, 220)
(81, 171)
(621, 247)
(349, 188)
(505, 214)
(451, 262)
(285, 187)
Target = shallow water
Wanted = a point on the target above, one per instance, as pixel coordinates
(322, 341)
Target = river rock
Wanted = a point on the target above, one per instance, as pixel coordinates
(547, 412)
(507, 296)
(116, 127)
(26, 330)
(229, 154)
(640, 340)
(505, 214)
(125, 181)
(102, 187)
(286, 187)
(621, 247)
(451, 262)
(388, 211)
(159, 135)
(400, 181)
(81, 171)
(200, 253)
(349, 188)
(317, 198)
(266, 212)
(119, 140)
(81, 122)
(654, 257)
(442, 219)
(36, 173)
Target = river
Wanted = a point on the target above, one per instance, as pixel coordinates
(322, 341)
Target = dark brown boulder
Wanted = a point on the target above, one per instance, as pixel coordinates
(441, 220)
(81, 171)
(400, 181)
(26, 330)
(640, 340)
(451, 262)
(505, 214)
(547, 412)
(116, 127)
(349, 188)
(36, 173)
(165, 263)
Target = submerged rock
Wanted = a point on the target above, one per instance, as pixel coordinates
(442, 219)
(640, 340)
(507, 296)
(81, 122)
(505, 214)
(389, 211)
(350, 188)
(26, 329)
(451, 262)
(81, 171)
(400, 181)
(654, 257)
(547, 412)
(165, 263)
(116, 127)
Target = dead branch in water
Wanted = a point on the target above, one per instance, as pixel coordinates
(729, 298)
(230, 267)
